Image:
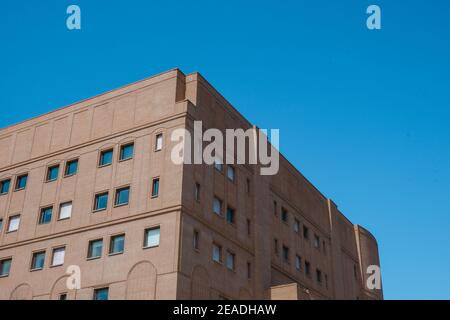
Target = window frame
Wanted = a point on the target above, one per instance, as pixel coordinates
(111, 238)
(157, 136)
(9, 223)
(97, 290)
(2, 183)
(219, 247)
(61, 204)
(233, 215)
(49, 169)
(220, 201)
(122, 148)
(97, 195)
(2, 261)
(41, 215)
(233, 257)
(89, 257)
(67, 166)
(146, 231)
(100, 157)
(233, 170)
(52, 265)
(156, 180)
(33, 256)
(18, 178)
(116, 196)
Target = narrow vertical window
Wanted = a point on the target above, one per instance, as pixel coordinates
(296, 226)
(275, 245)
(155, 188)
(248, 185)
(217, 206)
(230, 260)
(319, 276)
(249, 227)
(286, 254)
(298, 263)
(305, 232)
(284, 215)
(197, 192)
(1, 225)
(231, 173)
(217, 253)
(159, 142)
(230, 215)
(307, 268)
(196, 239)
(316, 241)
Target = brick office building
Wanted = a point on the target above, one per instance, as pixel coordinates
(93, 185)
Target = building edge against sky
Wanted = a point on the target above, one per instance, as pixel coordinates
(93, 185)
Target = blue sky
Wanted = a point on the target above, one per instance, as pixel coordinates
(365, 115)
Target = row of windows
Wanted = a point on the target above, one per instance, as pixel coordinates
(298, 263)
(305, 230)
(121, 198)
(106, 156)
(94, 251)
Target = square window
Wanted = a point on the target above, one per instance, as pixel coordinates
(65, 211)
(159, 142)
(230, 260)
(71, 168)
(52, 173)
(230, 215)
(21, 182)
(117, 244)
(126, 152)
(5, 267)
(58, 256)
(218, 164)
(95, 248)
(106, 157)
(101, 201)
(152, 237)
(101, 294)
(217, 253)
(231, 173)
(122, 196)
(4, 186)
(37, 261)
(45, 216)
(13, 224)
(155, 188)
(217, 206)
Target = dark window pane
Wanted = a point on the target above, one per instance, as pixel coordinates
(122, 196)
(38, 261)
(101, 201)
(95, 249)
(46, 216)
(101, 294)
(117, 244)
(155, 188)
(71, 167)
(5, 267)
(126, 152)
(21, 182)
(106, 157)
(52, 173)
(4, 186)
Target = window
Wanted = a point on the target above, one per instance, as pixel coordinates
(106, 158)
(71, 168)
(248, 185)
(284, 215)
(218, 165)
(286, 254)
(324, 247)
(5, 267)
(155, 188)
(13, 224)
(65, 211)
(230, 173)
(319, 276)
(275, 208)
(230, 260)
(101, 201)
(275, 244)
(217, 253)
(4, 186)
(249, 270)
(58, 256)
(316, 241)
(230, 215)
(197, 192)
(298, 263)
(1, 225)
(63, 296)
(217, 206)
(159, 142)
(307, 268)
(52, 173)
(37, 261)
(152, 237)
(296, 226)
(196, 239)
(95, 248)
(122, 196)
(21, 182)
(45, 216)
(117, 244)
(305, 232)
(126, 152)
(101, 294)
(249, 227)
